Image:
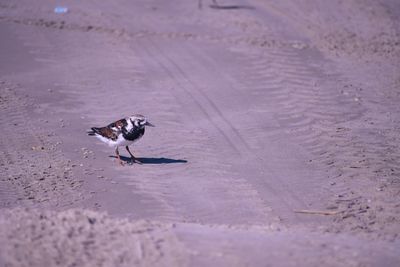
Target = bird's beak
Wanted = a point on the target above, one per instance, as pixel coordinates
(149, 124)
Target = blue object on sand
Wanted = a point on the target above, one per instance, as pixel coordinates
(61, 10)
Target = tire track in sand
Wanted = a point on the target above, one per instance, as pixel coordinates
(279, 184)
(284, 199)
(215, 132)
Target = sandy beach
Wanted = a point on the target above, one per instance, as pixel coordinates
(277, 138)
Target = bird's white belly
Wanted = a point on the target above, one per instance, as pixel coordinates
(121, 141)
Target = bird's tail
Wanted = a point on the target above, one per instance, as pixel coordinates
(92, 131)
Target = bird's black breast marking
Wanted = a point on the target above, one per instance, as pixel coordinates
(133, 134)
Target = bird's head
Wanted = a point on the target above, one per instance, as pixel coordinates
(140, 121)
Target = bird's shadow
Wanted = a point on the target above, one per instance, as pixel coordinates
(152, 160)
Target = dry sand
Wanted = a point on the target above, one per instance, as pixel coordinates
(263, 109)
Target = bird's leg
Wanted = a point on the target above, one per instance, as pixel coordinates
(134, 159)
(119, 158)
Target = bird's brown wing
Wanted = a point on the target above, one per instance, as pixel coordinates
(118, 124)
(106, 132)
(112, 130)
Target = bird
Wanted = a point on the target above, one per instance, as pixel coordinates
(123, 132)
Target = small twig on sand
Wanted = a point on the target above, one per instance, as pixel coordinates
(320, 212)
(344, 200)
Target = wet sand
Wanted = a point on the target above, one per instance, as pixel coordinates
(268, 116)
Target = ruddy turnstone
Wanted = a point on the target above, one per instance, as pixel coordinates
(123, 132)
